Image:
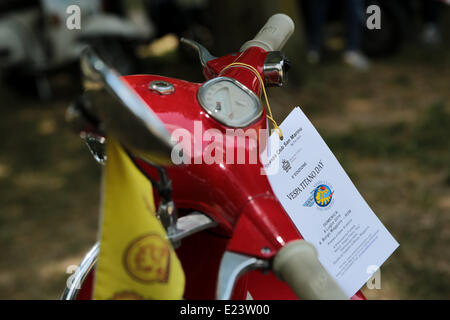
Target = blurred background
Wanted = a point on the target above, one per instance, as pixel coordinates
(380, 98)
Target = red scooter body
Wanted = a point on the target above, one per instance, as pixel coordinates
(238, 197)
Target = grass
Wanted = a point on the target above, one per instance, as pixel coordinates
(424, 140)
(49, 193)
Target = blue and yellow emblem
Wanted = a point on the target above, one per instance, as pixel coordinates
(323, 195)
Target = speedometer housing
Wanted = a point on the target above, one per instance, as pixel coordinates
(229, 102)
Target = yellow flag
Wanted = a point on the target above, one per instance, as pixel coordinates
(136, 260)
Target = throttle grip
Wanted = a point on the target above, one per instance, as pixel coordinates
(298, 265)
(273, 35)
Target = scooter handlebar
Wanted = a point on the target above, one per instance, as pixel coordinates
(273, 35)
(298, 265)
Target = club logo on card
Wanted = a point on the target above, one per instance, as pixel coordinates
(286, 165)
(322, 196)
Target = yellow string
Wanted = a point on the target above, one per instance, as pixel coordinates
(269, 116)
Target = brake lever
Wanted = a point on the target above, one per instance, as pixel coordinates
(203, 53)
(232, 266)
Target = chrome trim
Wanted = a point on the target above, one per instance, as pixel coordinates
(201, 92)
(168, 215)
(96, 145)
(86, 265)
(190, 224)
(275, 69)
(232, 266)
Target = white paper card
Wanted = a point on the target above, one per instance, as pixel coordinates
(325, 206)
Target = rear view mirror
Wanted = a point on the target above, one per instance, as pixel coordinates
(123, 113)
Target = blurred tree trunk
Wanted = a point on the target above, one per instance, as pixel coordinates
(236, 21)
(295, 47)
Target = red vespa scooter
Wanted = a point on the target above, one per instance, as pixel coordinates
(233, 237)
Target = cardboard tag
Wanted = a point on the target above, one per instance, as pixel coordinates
(324, 204)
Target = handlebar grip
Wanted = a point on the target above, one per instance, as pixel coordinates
(298, 265)
(274, 35)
